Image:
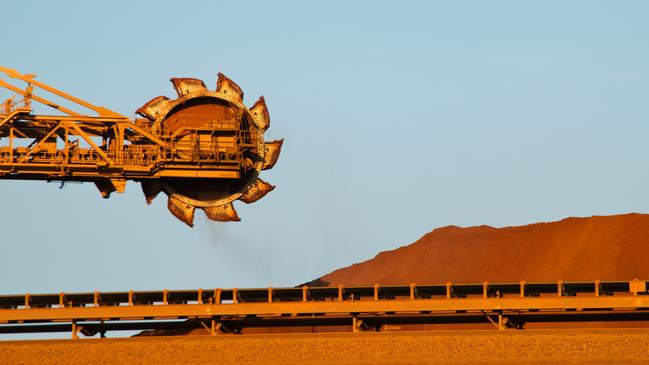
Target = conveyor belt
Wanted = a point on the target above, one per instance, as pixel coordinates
(361, 307)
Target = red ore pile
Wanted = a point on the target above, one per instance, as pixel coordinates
(607, 248)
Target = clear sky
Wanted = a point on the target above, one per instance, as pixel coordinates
(399, 117)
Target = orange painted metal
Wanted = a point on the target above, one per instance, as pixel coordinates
(283, 306)
(204, 149)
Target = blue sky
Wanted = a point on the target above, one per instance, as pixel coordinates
(397, 117)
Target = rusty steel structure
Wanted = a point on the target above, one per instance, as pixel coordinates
(204, 149)
(505, 306)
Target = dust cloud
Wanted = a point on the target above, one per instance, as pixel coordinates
(237, 254)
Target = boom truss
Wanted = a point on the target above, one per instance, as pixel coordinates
(107, 148)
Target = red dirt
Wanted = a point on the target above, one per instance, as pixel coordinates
(574, 249)
(469, 347)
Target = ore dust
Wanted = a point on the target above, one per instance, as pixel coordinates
(246, 256)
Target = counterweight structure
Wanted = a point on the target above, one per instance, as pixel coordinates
(204, 149)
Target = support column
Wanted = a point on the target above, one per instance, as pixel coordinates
(215, 327)
(75, 330)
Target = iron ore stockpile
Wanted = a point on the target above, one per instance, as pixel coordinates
(574, 249)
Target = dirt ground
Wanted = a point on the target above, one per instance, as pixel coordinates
(538, 346)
